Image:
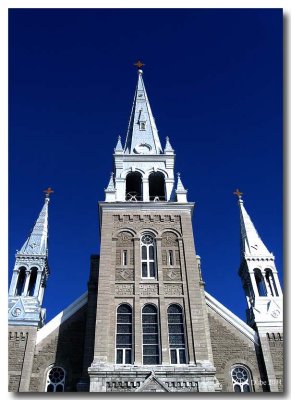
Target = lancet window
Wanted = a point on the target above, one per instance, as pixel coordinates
(157, 187)
(20, 281)
(176, 334)
(150, 335)
(260, 283)
(124, 335)
(148, 256)
(271, 283)
(32, 281)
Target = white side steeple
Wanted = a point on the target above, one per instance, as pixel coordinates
(259, 276)
(30, 274)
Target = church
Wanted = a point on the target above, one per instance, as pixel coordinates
(146, 323)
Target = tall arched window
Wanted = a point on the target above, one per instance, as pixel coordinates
(176, 334)
(150, 335)
(124, 335)
(157, 186)
(241, 379)
(260, 283)
(55, 381)
(20, 281)
(148, 256)
(32, 281)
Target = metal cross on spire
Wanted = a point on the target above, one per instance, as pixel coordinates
(47, 192)
(238, 193)
(139, 64)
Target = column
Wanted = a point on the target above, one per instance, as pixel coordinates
(145, 188)
(41, 291)
(13, 283)
(276, 281)
(27, 278)
(37, 283)
(254, 284)
(267, 285)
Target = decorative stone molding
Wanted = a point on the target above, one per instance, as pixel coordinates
(138, 222)
(173, 289)
(169, 239)
(147, 289)
(172, 274)
(124, 274)
(124, 289)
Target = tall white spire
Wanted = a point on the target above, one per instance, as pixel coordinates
(142, 134)
(251, 243)
(36, 242)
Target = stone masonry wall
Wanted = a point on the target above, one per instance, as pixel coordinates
(277, 353)
(231, 347)
(64, 347)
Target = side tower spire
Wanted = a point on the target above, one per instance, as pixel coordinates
(30, 274)
(263, 292)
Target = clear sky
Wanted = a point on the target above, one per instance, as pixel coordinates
(214, 81)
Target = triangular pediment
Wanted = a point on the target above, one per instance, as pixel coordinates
(152, 384)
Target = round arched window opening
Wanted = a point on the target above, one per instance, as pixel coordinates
(55, 380)
(241, 380)
(148, 256)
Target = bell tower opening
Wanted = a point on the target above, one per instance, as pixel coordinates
(134, 186)
(157, 187)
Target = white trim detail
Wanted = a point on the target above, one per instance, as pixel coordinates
(231, 318)
(61, 317)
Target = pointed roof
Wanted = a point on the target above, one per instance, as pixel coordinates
(141, 113)
(251, 243)
(118, 148)
(168, 147)
(180, 186)
(111, 186)
(37, 240)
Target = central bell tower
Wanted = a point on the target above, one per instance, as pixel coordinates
(152, 329)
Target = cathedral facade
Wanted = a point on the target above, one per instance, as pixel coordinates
(146, 323)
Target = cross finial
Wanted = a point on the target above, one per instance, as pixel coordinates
(139, 64)
(47, 192)
(238, 193)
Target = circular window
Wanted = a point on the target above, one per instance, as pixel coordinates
(239, 375)
(56, 375)
(147, 239)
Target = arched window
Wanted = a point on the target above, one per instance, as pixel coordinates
(157, 186)
(176, 334)
(32, 281)
(124, 335)
(148, 256)
(134, 186)
(260, 283)
(271, 283)
(241, 380)
(150, 335)
(55, 381)
(20, 281)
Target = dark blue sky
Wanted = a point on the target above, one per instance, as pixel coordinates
(214, 80)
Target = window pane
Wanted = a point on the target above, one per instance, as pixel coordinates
(150, 350)
(149, 319)
(246, 388)
(176, 328)
(153, 328)
(124, 309)
(149, 309)
(119, 356)
(124, 318)
(50, 388)
(151, 360)
(127, 356)
(144, 270)
(182, 355)
(144, 252)
(150, 339)
(59, 388)
(177, 339)
(124, 328)
(173, 357)
(174, 309)
(175, 318)
(152, 270)
(237, 388)
(123, 339)
(151, 253)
